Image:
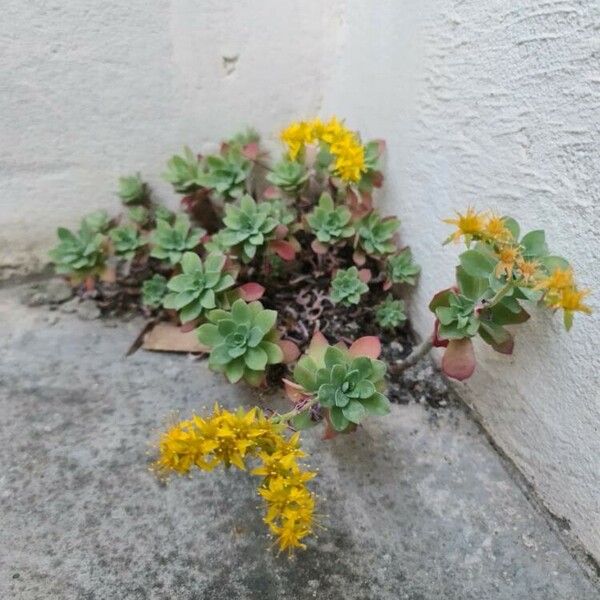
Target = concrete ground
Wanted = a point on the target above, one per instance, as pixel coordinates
(416, 505)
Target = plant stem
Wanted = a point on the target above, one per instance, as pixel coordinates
(413, 358)
(285, 417)
(498, 295)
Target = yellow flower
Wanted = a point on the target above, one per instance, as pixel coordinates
(468, 225)
(496, 230)
(558, 280)
(295, 136)
(230, 439)
(571, 299)
(508, 256)
(528, 268)
(349, 159)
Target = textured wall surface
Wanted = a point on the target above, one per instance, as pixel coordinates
(497, 103)
(89, 91)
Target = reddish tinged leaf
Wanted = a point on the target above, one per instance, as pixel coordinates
(251, 291)
(377, 179)
(318, 247)
(272, 193)
(329, 432)
(189, 326)
(369, 346)
(365, 275)
(285, 250)
(381, 146)
(341, 345)
(459, 359)
(281, 231)
(205, 238)
(439, 299)
(251, 150)
(294, 392)
(436, 340)
(187, 202)
(291, 352)
(505, 347)
(387, 285)
(359, 258)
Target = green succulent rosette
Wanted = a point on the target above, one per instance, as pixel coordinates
(347, 287)
(226, 174)
(401, 268)
(329, 223)
(248, 227)
(79, 254)
(390, 313)
(126, 241)
(183, 172)
(288, 175)
(375, 235)
(347, 382)
(132, 190)
(154, 290)
(199, 287)
(171, 241)
(242, 341)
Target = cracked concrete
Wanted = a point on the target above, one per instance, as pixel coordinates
(415, 506)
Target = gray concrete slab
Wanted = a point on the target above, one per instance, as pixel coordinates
(415, 506)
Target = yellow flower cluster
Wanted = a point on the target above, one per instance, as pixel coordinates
(344, 145)
(227, 438)
(479, 226)
(561, 292)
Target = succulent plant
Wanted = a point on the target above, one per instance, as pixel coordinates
(183, 172)
(198, 287)
(330, 223)
(126, 241)
(243, 341)
(288, 175)
(97, 221)
(402, 269)
(375, 235)
(243, 138)
(347, 382)
(79, 255)
(139, 214)
(162, 213)
(347, 287)
(390, 313)
(247, 226)
(171, 241)
(154, 290)
(457, 320)
(226, 174)
(283, 214)
(132, 190)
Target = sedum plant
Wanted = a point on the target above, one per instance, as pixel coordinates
(139, 215)
(347, 383)
(390, 313)
(329, 223)
(199, 287)
(400, 268)
(79, 255)
(289, 176)
(154, 290)
(183, 172)
(171, 241)
(242, 341)
(248, 227)
(239, 439)
(226, 174)
(497, 273)
(132, 190)
(347, 287)
(375, 235)
(126, 241)
(97, 221)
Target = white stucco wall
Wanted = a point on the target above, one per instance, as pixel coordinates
(92, 90)
(490, 102)
(497, 103)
